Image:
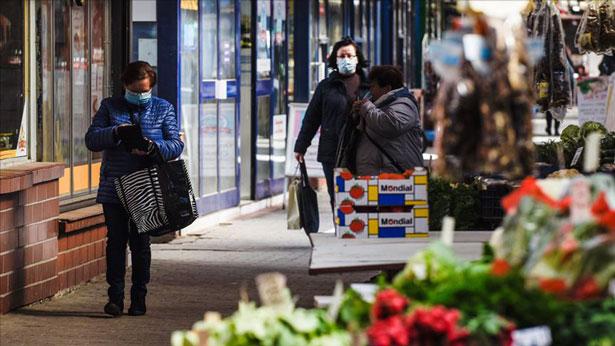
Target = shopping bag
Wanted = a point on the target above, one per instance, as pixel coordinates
(308, 203)
(159, 199)
(293, 217)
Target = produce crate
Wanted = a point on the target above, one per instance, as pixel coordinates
(410, 223)
(381, 206)
(490, 196)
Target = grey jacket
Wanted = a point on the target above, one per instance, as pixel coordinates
(392, 121)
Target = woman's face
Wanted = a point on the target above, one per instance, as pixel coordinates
(140, 86)
(377, 91)
(347, 52)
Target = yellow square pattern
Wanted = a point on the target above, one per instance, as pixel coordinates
(417, 235)
(372, 193)
(416, 202)
(420, 180)
(372, 227)
(421, 212)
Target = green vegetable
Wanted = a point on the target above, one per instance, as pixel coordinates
(592, 126)
(571, 133)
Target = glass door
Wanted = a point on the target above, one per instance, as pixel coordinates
(218, 106)
(270, 96)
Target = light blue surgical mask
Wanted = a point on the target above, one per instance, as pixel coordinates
(347, 66)
(138, 99)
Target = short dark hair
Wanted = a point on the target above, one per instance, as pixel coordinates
(346, 41)
(385, 75)
(138, 70)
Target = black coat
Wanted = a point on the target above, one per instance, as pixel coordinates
(328, 109)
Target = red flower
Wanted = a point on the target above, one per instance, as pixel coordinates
(388, 332)
(505, 335)
(587, 288)
(436, 323)
(555, 286)
(603, 212)
(500, 267)
(529, 188)
(388, 303)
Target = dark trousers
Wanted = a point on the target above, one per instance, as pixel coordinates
(121, 231)
(328, 170)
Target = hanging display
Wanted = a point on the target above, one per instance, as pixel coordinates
(553, 76)
(483, 110)
(596, 32)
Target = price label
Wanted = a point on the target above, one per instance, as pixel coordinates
(576, 157)
(448, 230)
(271, 288)
(580, 208)
(537, 336)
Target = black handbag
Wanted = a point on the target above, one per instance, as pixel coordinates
(159, 199)
(308, 203)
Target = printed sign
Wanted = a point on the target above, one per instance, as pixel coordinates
(593, 97)
(295, 118)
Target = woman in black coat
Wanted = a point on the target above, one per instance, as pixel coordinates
(331, 104)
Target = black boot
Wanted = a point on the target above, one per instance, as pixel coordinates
(114, 308)
(137, 304)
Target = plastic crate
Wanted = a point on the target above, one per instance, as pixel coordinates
(491, 210)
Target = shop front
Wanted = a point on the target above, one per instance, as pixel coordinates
(209, 99)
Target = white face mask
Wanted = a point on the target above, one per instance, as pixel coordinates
(347, 66)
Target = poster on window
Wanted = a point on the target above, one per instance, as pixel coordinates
(22, 140)
(295, 118)
(593, 98)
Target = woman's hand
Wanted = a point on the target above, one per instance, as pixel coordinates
(299, 157)
(356, 105)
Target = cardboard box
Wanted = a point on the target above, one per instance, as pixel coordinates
(407, 224)
(373, 191)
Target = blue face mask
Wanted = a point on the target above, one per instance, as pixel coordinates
(347, 66)
(138, 99)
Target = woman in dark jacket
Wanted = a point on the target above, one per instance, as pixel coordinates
(390, 126)
(331, 104)
(126, 149)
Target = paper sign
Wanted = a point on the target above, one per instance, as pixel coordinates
(593, 99)
(148, 50)
(221, 89)
(537, 336)
(448, 230)
(581, 201)
(271, 288)
(296, 112)
(576, 156)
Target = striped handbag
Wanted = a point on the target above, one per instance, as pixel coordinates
(159, 199)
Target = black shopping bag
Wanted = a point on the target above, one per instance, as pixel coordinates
(308, 203)
(159, 199)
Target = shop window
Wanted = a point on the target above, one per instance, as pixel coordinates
(13, 110)
(72, 79)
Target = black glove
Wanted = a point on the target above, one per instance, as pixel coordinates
(128, 132)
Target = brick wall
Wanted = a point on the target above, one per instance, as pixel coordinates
(29, 207)
(81, 246)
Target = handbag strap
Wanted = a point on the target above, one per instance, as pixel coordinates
(304, 176)
(389, 157)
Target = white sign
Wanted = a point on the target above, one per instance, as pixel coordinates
(537, 336)
(148, 50)
(295, 118)
(593, 97)
(279, 127)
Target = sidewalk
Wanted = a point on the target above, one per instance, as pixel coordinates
(193, 274)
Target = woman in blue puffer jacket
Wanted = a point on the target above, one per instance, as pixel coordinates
(126, 150)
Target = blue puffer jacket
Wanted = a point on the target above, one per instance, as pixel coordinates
(158, 123)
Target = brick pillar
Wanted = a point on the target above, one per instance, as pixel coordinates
(29, 208)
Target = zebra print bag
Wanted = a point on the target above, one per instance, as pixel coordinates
(159, 199)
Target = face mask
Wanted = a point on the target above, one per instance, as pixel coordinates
(347, 65)
(138, 98)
